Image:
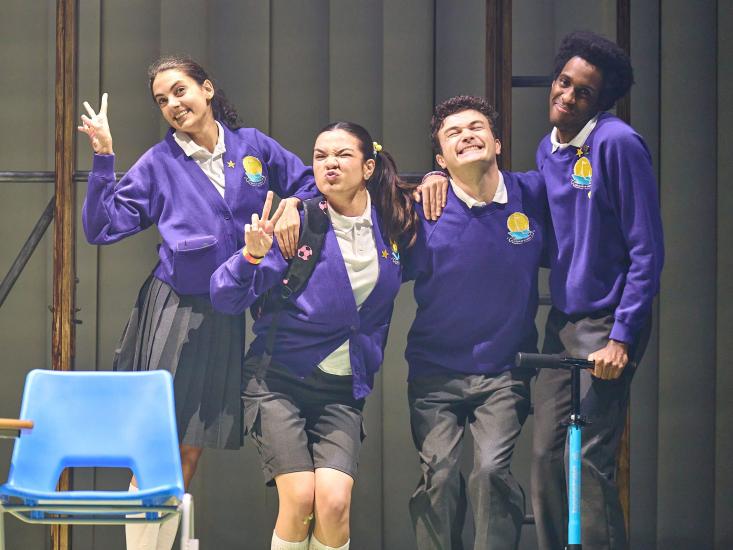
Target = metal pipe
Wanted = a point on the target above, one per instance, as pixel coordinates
(27, 250)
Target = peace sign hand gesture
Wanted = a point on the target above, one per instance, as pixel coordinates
(96, 127)
(258, 235)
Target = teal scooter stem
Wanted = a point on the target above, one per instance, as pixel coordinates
(575, 427)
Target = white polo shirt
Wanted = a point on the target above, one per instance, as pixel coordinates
(355, 236)
(212, 164)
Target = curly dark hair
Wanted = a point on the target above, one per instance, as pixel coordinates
(611, 60)
(455, 105)
(224, 111)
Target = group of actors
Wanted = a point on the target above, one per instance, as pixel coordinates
(471, 237)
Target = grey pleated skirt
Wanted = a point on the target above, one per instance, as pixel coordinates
(202, 348)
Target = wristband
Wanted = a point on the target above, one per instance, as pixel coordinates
(433, 173)
(251, 259)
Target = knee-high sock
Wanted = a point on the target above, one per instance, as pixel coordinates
(141, 536)
(318, 545)
(167, 534)
(280, 544)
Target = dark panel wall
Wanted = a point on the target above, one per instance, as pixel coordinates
(688, 301)
(292, 66)
(724, 364)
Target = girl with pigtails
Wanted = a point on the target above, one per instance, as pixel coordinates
(198, 186)
(306, 382)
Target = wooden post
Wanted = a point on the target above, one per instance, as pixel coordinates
(64, 257)
(499, 71)
(623, 110)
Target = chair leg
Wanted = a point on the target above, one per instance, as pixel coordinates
(188, 542)
(2, 528)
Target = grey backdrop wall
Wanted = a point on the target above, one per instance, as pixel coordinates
(291, 67)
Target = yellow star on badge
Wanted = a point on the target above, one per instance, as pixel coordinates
(384, 254)
(230, 164)
(579, 152)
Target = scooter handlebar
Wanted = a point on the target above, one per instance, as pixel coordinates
(546, 361)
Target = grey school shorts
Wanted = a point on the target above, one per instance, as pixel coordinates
(299, 425)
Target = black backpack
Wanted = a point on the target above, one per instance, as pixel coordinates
(313, 232)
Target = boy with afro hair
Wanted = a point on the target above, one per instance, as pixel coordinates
(606, 259)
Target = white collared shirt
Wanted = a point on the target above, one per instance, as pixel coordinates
(577, 141)
(356, 241)
(500, 196)
(212, 164)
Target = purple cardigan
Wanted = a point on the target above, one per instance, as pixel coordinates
(322, 315)
(608, 248)
(199, 228)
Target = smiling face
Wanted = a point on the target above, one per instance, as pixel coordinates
(339, 165)
(574, 97)
(465, 138)
(184, 103)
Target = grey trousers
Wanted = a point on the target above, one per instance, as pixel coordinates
(495, 408)
(603, 403)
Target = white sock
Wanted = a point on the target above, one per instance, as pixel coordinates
(167, 534)
(140, 536)
(280, 544)
(318, 545)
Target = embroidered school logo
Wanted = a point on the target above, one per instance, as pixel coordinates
(395, 253)
(518, 226)
(582, 173)
(253, 171)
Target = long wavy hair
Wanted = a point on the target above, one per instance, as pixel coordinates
(223, 110)
(391, 196)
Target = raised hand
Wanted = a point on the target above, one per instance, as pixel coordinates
(258, 235)
(96, 126)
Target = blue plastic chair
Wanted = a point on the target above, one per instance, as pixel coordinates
(98, 419)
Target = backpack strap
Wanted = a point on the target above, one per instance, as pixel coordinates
(312, 235)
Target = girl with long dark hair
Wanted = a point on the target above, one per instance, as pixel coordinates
(304, 409)
(198, 186)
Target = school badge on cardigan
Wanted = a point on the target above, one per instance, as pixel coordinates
(582, 170)
(394, 255)
(518, 226)
(253, 171)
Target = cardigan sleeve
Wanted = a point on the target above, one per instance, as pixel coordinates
(629, 165)
(114, 210)
(237, 284)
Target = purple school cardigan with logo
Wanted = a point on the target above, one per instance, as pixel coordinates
(200, 229)
(475, 272)
(608, 248)
(322, 315)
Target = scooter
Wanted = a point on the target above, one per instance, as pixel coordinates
(575, 426)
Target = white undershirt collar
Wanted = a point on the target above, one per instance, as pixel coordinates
(211, 164)
(347, 223)
(577, 141)
(500, 196)
(195, 151)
